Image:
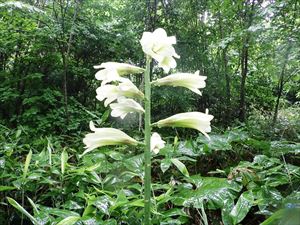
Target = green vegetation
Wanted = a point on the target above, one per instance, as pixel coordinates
(248, 172)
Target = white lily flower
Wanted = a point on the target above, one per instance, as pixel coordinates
(188, 80)
(105, 136)
(128, 89)
(108, 92)
(125, 106)
(159, 46)
(156, 143)
(196, 120)
(112, 71)
(111, 92)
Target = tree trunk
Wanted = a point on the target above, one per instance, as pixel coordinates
(228, 92)
(248, 17)
(244, 71)
(227, 115)
(280, 89)
(65, 52)
(281, 83)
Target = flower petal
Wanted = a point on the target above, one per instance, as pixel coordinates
(159, 46)
(195, 120)
(156, 143)
(105, 136)
(188, 80)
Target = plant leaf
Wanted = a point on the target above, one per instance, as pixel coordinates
(182, 168)
(27, 162)
(242, 207)
(6, 188)
(22, 210)
(69, 220)
(165, 165)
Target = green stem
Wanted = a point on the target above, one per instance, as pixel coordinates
(147, 183)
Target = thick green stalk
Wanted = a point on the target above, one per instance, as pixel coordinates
(147, 183)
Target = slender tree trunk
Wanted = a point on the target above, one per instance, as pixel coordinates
(151, 14)
(244, 71)
(228, 92)
(281, 83)
(244, 60)
(65, 52)
(65, 85)
(279, 94)
(227, 77)
(227, 115)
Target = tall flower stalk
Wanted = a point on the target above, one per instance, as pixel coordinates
(147, 183)
(157, 46)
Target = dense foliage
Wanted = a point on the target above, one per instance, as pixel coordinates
(248, 173)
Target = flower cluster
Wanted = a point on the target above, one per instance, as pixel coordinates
(119, 93)
(122, 90)
(159, 46)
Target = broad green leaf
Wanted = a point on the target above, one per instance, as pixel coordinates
(115, 155)
(70, 220)
(216, 142)
(137, 203)
(136, 164)
(102, 203)
(174, 212)
(242, 207)
(186, 148)
(58, 212)
(110, 222)
(22, 210)
(274, 219)
(6, 188)
(26, 165)
(105, 116)
(120, 201)
(18, 133)
(165, 165)
(259, 144)
(72, 205)
(182, 168)
(89, 209)
(281, 147)
(215, 192)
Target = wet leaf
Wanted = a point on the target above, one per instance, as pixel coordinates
(180, 166)
(70, 220)
(210, 190)
(165, 165)
(242, 207)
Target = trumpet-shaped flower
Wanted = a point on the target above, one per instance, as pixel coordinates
(111, 92)
(159, 46)
(188, 80)
(105, 136)
(196, 120)
(128, 89)
(112, 71)
(108, 92)
(156, 143)
(125, 106)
